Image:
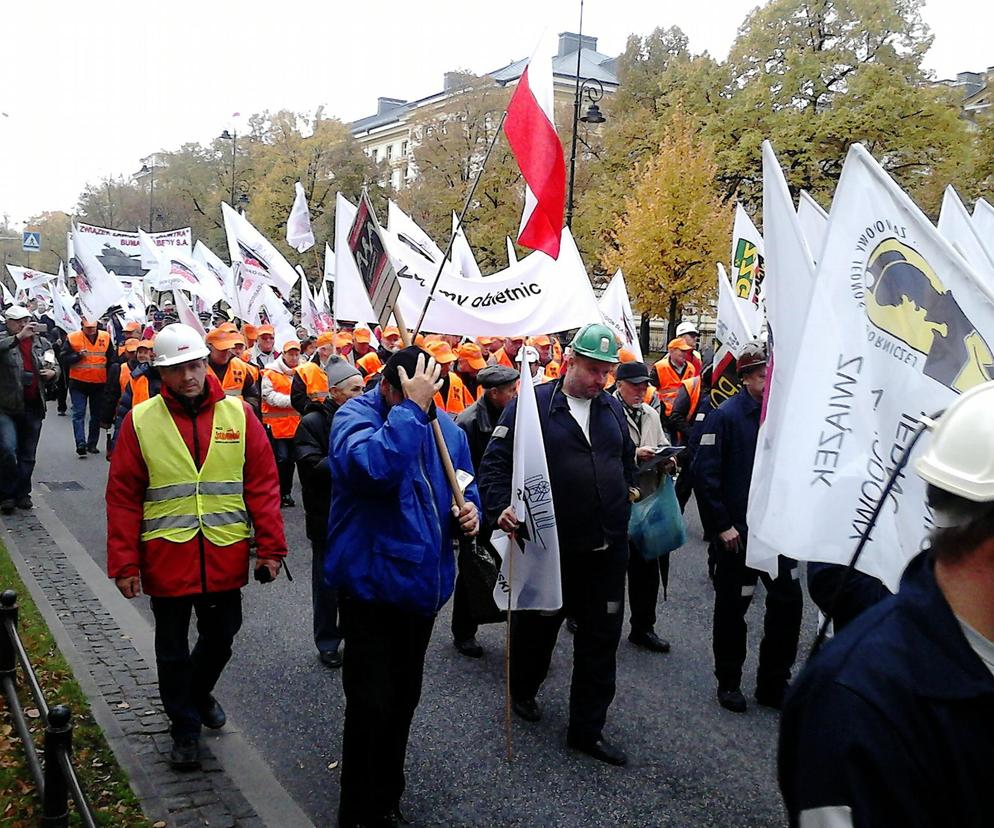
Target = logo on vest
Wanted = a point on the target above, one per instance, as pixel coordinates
(226, 435)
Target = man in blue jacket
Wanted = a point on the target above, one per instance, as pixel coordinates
(892, 722)
(390, 555)
(722, 475)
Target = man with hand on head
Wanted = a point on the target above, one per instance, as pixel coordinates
(191, 470)
(390, 555)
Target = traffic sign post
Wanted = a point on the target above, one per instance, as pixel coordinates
(31, 241)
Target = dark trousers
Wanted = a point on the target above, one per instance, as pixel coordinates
(381, 674)
(83, 394)
(324, 603)
(644, 578)
(593, 595)
(62, 389)
(734, 584)
(19, 435)
(186, 679)
(283, 452)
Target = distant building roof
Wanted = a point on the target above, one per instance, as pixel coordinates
(593, 64)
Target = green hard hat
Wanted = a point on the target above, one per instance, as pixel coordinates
(596, 341)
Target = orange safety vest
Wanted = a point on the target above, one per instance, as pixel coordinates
(93, 366)
(693, 386)
(650, 392)
(669, 382)
(457, 396)
(552, 370)
(125, 376)
(282, 422)
(369, 365)
(234, 377)
(501, 357)
(139, 389)
(315, 379)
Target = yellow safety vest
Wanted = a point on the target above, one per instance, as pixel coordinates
(180, 500)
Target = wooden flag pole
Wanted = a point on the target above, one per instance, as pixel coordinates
(462, 215)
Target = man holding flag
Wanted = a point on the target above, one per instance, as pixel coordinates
(590, 459)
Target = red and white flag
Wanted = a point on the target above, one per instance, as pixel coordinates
(531, 132)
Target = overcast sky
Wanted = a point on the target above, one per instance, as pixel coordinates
(89, 88)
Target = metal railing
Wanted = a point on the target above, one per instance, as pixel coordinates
(53, 772)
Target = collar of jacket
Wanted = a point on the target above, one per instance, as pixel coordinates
(279, 365)
(178, 406)
(327, 406)
(942, 661)
(559, 401)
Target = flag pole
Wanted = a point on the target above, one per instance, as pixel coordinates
(507, 651)
(458, 227)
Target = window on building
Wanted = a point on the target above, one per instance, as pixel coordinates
(395, 179)
(403, 148)
(389, 151)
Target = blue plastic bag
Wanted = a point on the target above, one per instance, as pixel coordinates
(656, 525)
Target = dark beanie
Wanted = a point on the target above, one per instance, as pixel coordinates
(406, 357)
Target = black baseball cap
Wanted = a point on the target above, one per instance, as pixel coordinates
(406, 357)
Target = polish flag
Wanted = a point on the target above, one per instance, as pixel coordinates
(531, 132)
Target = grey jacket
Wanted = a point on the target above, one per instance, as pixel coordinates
(12, 370)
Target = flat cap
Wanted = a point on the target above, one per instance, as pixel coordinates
(496, 376)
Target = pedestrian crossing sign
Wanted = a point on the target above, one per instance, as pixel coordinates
(30, 241)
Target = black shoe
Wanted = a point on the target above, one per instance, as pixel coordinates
(212, 714)
(185, 754)
(732, 700)
(331, 658)
(600, 749)
(7, 507)
(527, 709)
(649, 641)
(571, 625)
(469, 647)
(286, 502)
(770, 698)
(92, 450)
(81, 451)
(25, 502)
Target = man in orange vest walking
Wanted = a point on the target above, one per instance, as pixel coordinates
(279, 416)
(87, 353)
(671, 371)
(235, 376)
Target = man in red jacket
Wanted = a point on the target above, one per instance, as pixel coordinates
(190, 471)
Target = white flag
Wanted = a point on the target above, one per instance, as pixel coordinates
(463, 260)
(747, 258)
(63, 313)
(8, 298)
(221, 272)
(814, 223)
(329, 264)
(174, 270)
(258, 256)
(312, 317)
(529, 574)
(898, 326)
(409, 231)
(788, 288)
(298, 227)
(96, 289)
(983, 221)
(959, 230)
(186, 314)
(350, 298)
(616, 309)
(25, 278)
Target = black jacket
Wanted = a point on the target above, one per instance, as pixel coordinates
(722, 465)
(590, 481)
(310, 450)
(12, 372)
(112, 394)
(299, 398)
(893, 718)
(478, 421)
(125, 404)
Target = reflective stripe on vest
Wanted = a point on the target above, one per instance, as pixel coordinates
(180, 500)
(282, 422)
(93, 366)
(315, 379)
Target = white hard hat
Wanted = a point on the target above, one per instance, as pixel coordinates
(686, 328)
(960, 458)
(527, 352)
(178, 343)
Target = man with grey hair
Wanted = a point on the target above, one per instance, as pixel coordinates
(310, 450)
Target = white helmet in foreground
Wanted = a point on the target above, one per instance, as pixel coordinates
(178, 343)
(960, 458)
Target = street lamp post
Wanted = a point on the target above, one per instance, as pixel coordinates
(233, 137)
(593, 91)
(150, 172)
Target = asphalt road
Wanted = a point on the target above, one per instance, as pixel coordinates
(690, 762)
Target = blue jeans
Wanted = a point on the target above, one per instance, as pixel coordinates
(19, 435)
(80, 393)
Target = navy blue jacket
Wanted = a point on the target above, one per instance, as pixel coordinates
(722, 465)
(894, 718)
(590, 481)
(390, 534)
